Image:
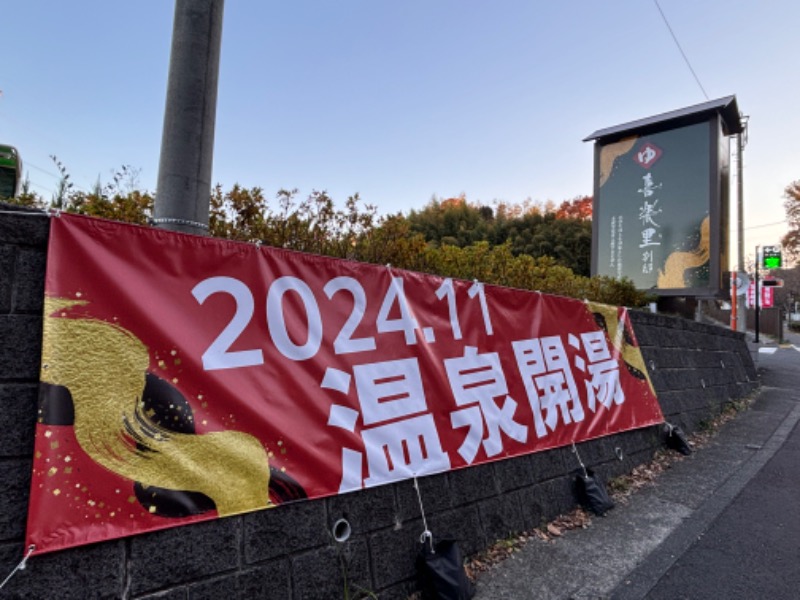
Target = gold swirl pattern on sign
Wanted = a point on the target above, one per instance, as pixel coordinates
(104, 367)
(621, 337)
(674, 273)
(610, 153)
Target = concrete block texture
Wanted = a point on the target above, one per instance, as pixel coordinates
(16, 477)
(164, 559)
(94, 571)
(21, 347)
(501, 517)
(18, 405)
(284, 530)
(29, 268)
(434, 490)
(26, 228)
(8, 260)
(366, 510)
(332, 571)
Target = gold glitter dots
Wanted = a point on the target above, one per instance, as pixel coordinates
(48, 434)
(56, 492)
(131, 499)
(162, 364)
(152, 510)
(67, 470)
(54, 445)
(52, 471)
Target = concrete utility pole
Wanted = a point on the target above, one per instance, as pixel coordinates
(187, 144)
(741, 324)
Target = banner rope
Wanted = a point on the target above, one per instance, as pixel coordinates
(20, 567)
(427, 533)
(580, 462)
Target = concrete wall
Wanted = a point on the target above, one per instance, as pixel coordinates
(288, 552)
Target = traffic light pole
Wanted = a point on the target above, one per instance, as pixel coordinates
(757, 296)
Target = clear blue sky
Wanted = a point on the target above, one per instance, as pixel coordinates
(401, 100)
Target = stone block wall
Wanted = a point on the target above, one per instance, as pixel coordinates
(696, 368)
(290, 552)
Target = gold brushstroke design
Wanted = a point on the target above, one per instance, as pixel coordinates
(104, 367)
(615, 327)
(610, 153)
(674, 273)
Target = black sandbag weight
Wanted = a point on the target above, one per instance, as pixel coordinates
(440, 571)
(592, 493)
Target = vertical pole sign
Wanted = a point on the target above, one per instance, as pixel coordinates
(661, 200)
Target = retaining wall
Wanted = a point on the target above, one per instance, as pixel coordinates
(289, 552)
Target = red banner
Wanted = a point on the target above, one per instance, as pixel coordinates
(188, 378)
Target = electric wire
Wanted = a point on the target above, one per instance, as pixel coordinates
(766, 225)
(677, 43)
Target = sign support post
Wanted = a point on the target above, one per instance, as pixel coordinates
(757, 294)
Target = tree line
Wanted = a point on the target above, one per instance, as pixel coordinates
(525, 246)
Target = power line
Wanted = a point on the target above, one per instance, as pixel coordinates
(767, 225)
(677, 43)
(29, 164)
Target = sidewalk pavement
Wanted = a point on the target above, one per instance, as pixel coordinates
(722, 523)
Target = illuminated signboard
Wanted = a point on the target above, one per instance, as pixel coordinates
(772, 257)
(660, 200)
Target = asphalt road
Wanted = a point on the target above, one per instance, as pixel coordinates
(752, 548)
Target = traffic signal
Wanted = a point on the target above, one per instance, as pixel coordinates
(771, 257)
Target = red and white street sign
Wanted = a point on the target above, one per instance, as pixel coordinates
(766, 296)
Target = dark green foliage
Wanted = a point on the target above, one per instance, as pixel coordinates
(532, 231)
